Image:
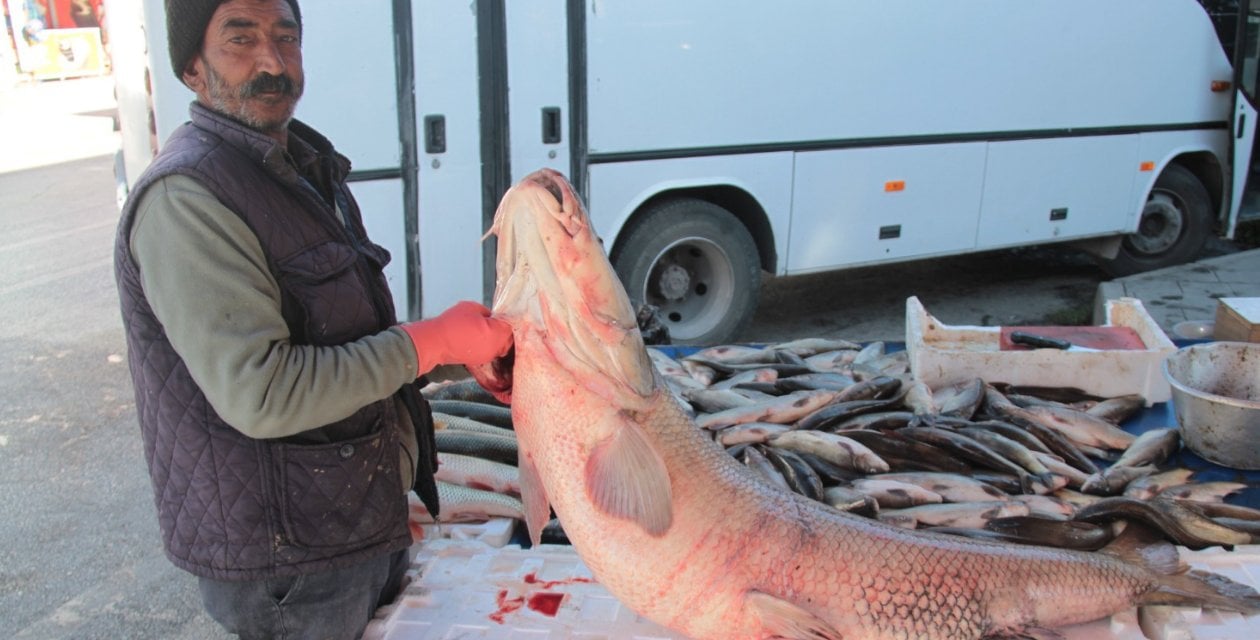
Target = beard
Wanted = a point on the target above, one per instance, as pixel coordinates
(243, 102)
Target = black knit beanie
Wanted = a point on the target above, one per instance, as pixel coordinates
(186, 22)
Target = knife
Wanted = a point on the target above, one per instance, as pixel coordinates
(1044, 342)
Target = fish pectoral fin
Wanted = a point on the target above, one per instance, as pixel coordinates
(782, 619)
(626, 478)
(1026, 633)
(534, 498)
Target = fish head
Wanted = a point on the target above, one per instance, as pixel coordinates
(555, 286)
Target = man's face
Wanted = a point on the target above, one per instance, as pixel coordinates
(250, 67)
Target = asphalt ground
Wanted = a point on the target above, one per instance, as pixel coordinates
(80, 554)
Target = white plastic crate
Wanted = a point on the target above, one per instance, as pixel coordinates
(942, 354)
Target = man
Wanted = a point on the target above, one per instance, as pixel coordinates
(276, 393)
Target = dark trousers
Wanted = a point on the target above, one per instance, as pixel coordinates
(330, 605)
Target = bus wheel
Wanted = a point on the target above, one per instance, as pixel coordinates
(697, 264)
(1174, 227)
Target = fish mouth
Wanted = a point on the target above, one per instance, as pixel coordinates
(554, 277)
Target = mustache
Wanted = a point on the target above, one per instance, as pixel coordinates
(265, 82)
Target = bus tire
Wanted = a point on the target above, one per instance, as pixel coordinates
(1174, 228)
(697, 264)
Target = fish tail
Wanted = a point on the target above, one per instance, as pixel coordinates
(1207, 590)
(1177, 584)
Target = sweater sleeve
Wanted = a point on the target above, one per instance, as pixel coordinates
(205, 276)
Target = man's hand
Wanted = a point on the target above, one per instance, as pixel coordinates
(463, 334)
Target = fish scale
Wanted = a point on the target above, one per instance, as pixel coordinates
(736, 559)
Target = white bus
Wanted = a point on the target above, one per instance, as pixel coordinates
(715, 141)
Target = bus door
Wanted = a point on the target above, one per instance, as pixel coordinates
(1246, 202)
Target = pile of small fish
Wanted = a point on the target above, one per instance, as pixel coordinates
(477, 478)
(847, 425)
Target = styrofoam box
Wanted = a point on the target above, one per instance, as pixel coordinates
(495, 532)
(466, 589)
(942, 354)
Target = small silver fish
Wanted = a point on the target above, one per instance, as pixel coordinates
(465, 504)
(1114, 479)
(960, 399)
(1118, 409)
(953, 514)
(478, 473)
(749, 432)
(780, 409)
(836, 449)
(1203, 491)
(806, 347)
(1150, 486)
(715, 400)
(891, 494)
(950, 486)
(1047, 506)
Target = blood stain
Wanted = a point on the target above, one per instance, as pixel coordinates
(506, 605)
(546, 603)
(532, 578)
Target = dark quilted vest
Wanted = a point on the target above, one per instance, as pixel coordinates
(236, 508)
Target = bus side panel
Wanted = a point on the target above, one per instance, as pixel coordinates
(170, 96)
(537, 51)
(445, 37)
(675, 76)
(130, 69)
(857, 206)
(618, 189)
(351, 92)
(1046, 190)
(381, 203)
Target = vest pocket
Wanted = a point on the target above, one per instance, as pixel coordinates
(379, 256)
(342, 493)
(332, 303)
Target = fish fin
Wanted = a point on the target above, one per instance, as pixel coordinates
(1142, 546)
(534, 498)
(626, 478)
(1205, 589)
(1026, 633)
(1177, 585)
(782, 619)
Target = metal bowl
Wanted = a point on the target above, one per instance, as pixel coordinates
(1194, 330)
(1216, 398)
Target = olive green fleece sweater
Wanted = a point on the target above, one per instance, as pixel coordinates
(206, 278)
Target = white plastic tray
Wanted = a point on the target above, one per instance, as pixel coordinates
(942, 354)
(466, 589)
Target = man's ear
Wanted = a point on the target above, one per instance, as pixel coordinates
(194, 74)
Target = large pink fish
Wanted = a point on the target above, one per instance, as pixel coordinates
(687, 537)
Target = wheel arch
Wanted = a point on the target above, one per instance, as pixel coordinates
(1208, 169)
(739, 202)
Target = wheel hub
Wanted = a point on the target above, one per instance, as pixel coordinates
(1160, 227)
(674, 283)
(692, 284)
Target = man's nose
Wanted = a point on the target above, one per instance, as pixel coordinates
(269, 59)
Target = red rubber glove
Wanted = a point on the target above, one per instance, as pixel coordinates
(463, 334)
